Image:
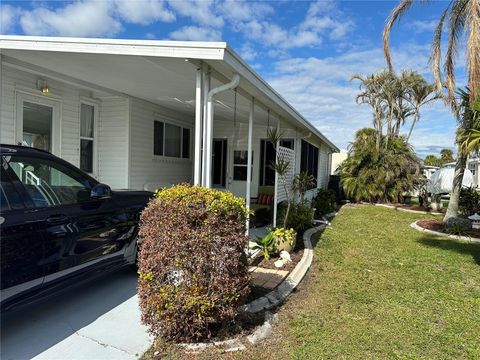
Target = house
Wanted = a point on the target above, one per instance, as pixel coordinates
(337, 159)
(145, 114)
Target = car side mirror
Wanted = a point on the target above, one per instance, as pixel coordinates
(100, 191)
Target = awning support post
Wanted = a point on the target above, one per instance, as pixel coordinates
(249, 162)
(275, 196)
(197, 166)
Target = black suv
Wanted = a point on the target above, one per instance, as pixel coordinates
(58, 225)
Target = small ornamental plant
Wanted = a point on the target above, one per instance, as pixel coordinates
(192, 262)
(285, 239)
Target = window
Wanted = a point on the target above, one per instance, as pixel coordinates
(9, 198)
(472, 169)
(37, 126)
(171, 140)
(87, 137)
(267, 158)
(49, 183)
(240, 165)
(309, 159)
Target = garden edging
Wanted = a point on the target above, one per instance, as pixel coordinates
(408, 210)
(437, 233)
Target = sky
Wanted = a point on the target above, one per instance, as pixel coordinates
(306, 50)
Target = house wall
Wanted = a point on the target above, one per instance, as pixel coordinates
(113, 147)
(147, 170)
(111, 127)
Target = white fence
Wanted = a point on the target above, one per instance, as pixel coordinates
(288, 155)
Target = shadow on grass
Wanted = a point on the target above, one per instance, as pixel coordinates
(453, 245)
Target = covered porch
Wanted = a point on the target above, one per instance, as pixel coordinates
(168, 112)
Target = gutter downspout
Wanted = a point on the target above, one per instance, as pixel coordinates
(209, 127)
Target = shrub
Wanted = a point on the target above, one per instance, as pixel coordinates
(266, 244)
(300, 216)
(285, 239)
(192, 262)
(469, 202)
(324, 202)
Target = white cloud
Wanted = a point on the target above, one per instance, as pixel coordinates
(320, 88)
(200, 11)
(423, 25)
(8, 18)
(144, 11)
(82, 18)
(196, 33)
(247, 52)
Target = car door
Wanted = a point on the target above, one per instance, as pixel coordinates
(21, 255)
(79, 232)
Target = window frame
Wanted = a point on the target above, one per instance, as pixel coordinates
(96, 112)
(264, 143)
(242, 165)
(164, 120)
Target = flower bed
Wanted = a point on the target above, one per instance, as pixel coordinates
(437, 225)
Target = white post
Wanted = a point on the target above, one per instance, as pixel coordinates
(206, 89)
(197, 166)
(208, 145)
(275, 196)
(249, 162)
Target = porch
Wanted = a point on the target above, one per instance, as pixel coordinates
(157, 116)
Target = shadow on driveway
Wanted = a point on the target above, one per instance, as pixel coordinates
(97, 320)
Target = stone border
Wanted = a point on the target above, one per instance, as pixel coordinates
(269, 301)
(280, 293)
(408, 210)
(466, 239)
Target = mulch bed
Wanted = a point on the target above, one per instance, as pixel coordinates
(437, 225)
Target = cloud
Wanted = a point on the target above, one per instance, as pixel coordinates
(8, 18)
(320, 88)
(423, 25)
(144, 12)
(200, 11)
(196, 33)
(82, 18)
(247, 52)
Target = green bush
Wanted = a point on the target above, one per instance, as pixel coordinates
(469, 202)
(324, 202)
(300, 216)
(192, 262)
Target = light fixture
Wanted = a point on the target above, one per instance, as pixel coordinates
(475, 221)
(42, 86)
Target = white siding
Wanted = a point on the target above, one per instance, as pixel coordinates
(113, 142)
(144, 166)
(16, 80)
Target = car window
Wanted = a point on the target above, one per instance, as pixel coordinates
(9, 198)
(48, 183)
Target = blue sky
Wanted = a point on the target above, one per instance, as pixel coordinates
(306, 50)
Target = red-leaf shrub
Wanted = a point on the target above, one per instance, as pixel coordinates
(192, 262)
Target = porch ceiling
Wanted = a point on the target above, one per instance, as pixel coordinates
(168, 82)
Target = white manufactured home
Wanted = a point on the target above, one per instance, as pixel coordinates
(147, 114)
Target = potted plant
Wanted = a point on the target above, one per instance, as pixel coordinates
(285, 239)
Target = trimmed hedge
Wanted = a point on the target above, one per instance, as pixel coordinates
(192, 262)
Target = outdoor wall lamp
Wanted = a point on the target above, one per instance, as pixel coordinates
(42, 86)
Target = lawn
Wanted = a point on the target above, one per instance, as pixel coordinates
(379, 289)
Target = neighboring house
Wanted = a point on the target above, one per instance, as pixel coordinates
(428, 170)
(473, 165)
(135, 114)
(337, 159)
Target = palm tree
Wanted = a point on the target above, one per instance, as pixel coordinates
(419, 93)
(371, 95)
(463, 16)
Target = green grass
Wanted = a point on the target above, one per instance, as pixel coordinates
(379, 289)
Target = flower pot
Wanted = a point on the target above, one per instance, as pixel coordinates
(436, 206)
(285, 240)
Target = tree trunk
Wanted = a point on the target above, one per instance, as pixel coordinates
(452, 210)
(413, 124)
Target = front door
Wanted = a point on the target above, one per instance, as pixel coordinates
(38, 123)
(219, 162)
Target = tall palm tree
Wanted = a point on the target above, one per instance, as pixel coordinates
(371, 94)
(419, 93)
(462, 17)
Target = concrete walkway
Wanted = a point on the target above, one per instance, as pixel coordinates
(98, 320)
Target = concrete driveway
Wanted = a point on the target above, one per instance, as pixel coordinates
(98, 320)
